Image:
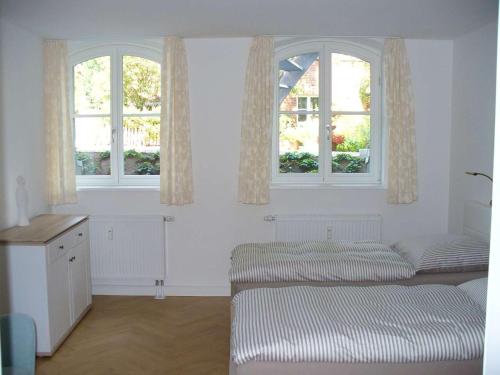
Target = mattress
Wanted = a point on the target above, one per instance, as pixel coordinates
(378, 324)
(317, 261)
(450, 278)
(471, 367)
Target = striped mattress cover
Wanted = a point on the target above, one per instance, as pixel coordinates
(378, 324)
(317, 261)
(448, 278)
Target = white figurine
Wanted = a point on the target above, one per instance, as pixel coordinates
(22, 202)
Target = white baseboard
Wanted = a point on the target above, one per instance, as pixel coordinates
(123, 290)
(198, 290)
(119, 289)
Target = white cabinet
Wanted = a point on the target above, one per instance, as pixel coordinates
(78, 281)
(58, 299)
(48, 276)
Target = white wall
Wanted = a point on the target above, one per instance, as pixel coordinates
(21, 131)
(201, 238)
(21, 136)
(492, 334)
(473, 115)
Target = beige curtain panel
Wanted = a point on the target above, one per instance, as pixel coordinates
(256, 122)
(402, 185)
(176, 176)
(60, 162)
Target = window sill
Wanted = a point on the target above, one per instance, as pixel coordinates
(118, 188)
(326, 186)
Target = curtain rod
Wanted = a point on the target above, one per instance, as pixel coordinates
(222, 36)
(285, 36)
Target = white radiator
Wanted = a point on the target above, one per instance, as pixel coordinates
(127, 253)
(327, 227)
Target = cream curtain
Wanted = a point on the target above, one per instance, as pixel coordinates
(401, 122)
(176, 176)
(256, 122)
(60, 163)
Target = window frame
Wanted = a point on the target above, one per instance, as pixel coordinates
(116, 51)
(325, 178)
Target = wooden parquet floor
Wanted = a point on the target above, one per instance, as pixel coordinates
(143, 336)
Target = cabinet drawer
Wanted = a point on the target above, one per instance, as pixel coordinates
(60, 246)
(79, 234)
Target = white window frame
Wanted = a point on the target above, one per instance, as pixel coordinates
(308, 102)
(375, 178)
(116, 51)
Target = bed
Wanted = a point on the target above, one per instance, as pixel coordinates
(443, 259)
(384, 329)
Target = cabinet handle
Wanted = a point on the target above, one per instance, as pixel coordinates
(72, 259)
(61, 247)
(80, 234)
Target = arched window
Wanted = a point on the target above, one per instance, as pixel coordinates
(115, 108)
(328, 114)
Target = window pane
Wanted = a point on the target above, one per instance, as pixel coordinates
(350, 83)
(302, 102)
(92, 86)
(92, 145)
(314, 103)
(141, 145)
(298, 143)
(141, 85)
(298, 77)
(350, 144)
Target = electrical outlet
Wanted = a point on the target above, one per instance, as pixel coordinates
(109, 233)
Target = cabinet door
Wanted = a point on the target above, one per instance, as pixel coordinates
(89, 275)
(78, 280)
(59, 296)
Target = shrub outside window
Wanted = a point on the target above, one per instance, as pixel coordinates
(327, 120)
(115, 108)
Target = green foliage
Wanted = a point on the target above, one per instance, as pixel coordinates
(343, 157)
(148, 125)
(82, 156)
(298, 162)
(141, 83)
(308, 164)
(132, 154)
(87, 163)
(364, 93)
(297, 90)
(147, 168)
(354, 166)
(92, 87)
(358, 139)
(350, 145)
(336, 166)
(346, 163)
(146, 163)
(150, 157)
(305, 162)
(104, 155)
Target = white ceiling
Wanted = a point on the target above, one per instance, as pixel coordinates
(87, 19)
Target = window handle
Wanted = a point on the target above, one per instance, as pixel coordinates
(113, 135)
(328, 128)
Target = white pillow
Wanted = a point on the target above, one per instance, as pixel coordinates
(477, 290)
(445, 253)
